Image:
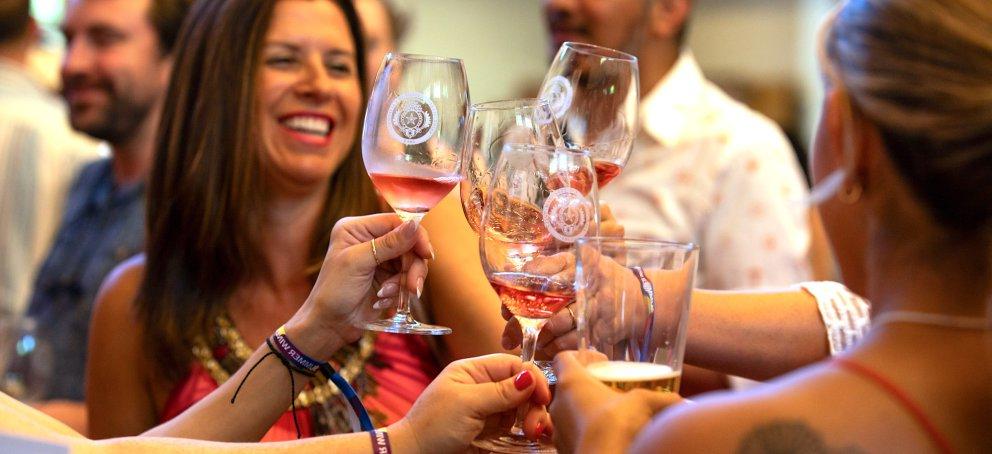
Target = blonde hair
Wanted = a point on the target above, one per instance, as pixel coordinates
(921, 71)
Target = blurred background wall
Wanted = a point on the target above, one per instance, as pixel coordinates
(760, 51)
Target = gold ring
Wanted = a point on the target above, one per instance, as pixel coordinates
(575, 321)
(375, 255)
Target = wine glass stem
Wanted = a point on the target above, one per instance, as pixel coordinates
(403, 305)
(531, 328)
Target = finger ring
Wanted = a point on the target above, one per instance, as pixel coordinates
(375, 255)
(575, 321)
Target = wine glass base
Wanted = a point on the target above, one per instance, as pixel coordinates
(404, 324)
(512, 444)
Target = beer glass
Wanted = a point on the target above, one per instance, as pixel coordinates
(633, 308)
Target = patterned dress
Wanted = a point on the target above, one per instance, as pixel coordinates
(388, 371)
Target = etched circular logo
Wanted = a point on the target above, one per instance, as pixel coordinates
(412, 118)
(543, 115)
(558, 92)
(567, 214)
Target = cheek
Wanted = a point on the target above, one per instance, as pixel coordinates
(351, 101)
(819, 162)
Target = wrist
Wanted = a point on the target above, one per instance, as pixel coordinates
(313, 340)
(403, 438)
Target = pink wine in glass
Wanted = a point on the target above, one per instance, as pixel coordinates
(606, 171)
(531, 296)
(413, 194)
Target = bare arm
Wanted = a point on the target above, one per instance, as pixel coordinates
(460, 296)
(118, 396)
(756, 335)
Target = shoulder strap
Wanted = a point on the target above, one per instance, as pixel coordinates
(938, 438)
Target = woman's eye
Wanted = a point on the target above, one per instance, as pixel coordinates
(280, 61)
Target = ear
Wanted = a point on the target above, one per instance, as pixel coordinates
(667, 17)
(833, 120)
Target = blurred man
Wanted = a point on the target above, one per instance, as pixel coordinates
(384, 28)
(39, 155)
(704, 168)
(114, 75)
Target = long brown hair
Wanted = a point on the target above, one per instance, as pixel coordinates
(205, 193)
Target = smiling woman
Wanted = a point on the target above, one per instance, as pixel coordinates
(256, 160)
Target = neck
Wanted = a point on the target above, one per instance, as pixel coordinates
(911, 273)
(287, 236)
(132, 158)
(654, 60)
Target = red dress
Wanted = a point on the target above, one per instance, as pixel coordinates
(394, 376)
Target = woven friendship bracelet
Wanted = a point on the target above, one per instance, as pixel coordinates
(647, 293)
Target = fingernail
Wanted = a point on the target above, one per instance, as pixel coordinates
(433, 254)
(420, 286)
(523, 380)
(386, 290)
(382, 304)
(539, 430)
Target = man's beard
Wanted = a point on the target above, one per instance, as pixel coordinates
(117, 122)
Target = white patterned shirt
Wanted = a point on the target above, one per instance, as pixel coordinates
(707, 169)
(39, 157)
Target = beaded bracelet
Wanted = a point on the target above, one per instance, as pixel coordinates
(380, 442)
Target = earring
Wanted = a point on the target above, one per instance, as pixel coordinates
(850, 194)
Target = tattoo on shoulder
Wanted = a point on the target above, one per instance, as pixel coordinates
(789, 437)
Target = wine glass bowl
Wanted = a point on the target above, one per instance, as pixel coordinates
(493, 126)
(411, 142)
(594, 93)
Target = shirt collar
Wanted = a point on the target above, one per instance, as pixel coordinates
(668, 108)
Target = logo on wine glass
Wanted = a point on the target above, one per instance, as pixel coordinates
(567, 214)
(412, 118)
(558, 92)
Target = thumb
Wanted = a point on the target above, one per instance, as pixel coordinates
(395, 243)
(504, 395)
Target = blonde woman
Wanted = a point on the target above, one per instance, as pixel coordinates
(904, 150)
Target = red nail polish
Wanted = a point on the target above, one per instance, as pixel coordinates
(523, 380)
(539, 431)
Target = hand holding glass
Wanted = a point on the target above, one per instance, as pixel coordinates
(633, 297)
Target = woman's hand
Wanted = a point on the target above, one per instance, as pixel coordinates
(455, 408)
(608, 224)
(347, 292)
(591, 417)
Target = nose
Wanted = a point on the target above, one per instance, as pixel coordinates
(78, 58)
(552, 7)
(316, 85)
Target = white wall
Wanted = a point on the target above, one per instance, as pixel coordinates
(502, 42)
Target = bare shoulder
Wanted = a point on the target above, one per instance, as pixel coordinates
(120, 288)
(781, 416)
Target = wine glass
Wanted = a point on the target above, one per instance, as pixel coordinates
(594, 93)
(411, 140)
(540, 201)
(633, 300)
(493, 126)
(26, 363)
